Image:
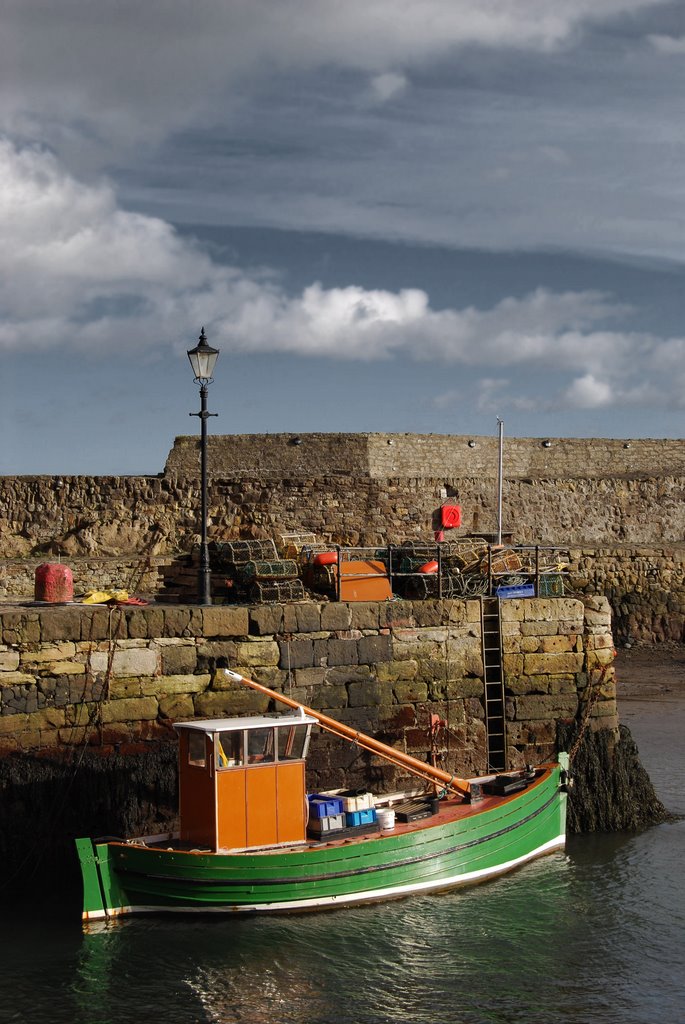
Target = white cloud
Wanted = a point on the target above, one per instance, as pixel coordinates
(588, 393)
(388, 85)
(78, 271)
(668, 44)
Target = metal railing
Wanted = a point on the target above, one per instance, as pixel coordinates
(456, 569)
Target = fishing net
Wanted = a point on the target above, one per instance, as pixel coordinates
(272, 591)
(278, 570)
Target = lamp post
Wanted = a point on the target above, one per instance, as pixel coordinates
(202, 359)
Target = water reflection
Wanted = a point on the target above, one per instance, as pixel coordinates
(591, 937)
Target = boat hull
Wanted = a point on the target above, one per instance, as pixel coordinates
(462, 845)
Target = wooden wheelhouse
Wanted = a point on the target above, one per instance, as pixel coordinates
(242, 781)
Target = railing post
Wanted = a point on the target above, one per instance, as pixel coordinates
(439, 560)
(537, 570)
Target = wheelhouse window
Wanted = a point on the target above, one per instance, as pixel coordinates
(229, 749)
(260, 746)
(197, 749)
(292, 742)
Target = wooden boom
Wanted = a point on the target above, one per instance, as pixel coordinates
(412, 764)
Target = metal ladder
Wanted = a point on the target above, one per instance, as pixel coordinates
(495, 722)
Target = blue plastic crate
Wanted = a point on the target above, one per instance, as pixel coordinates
(522, 590)
(354, 818)
(323, 806)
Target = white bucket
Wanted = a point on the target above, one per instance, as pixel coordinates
(386, 817)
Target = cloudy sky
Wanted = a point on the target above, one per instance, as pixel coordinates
(401, 215)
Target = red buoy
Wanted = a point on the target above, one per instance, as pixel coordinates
(326, 558)
(429, 567)
(54, 583)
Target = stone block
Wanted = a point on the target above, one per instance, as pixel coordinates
(230, 703)
(65, 668)
(603, 709)
(131, 662)
(309, 677)
(307, 617)
(368, 693)
(390, 671)
(30, 739)
(457, 689)
(396, 614)
(257, 652)
(538, 628)
(184, 683)
(17, 678)
(556, 644)
(47, 718)
(364, 615)
(137, 624)
(374, 649)
(178, 660)
(512, 666)
(60, 624)
(46, 653)
(598, 658)
(413, 690)
(512, 610)
(271, 676)
(343, 652)
(545, 706)
(20, 628)
(225, 620)
(335, 616)
(295, 654)
(177, 707)
(9, 661)
(177, 621)
(209, 652)
(11, 725)
(266, 620)
(346, 674)
(97, 624)
(429, 613)
(552, 663)
(131, 709)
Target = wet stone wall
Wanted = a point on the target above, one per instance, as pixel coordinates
(88, 697)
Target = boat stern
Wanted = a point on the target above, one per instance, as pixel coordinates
(102, 897)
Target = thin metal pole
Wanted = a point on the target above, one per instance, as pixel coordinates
(500, 424)
(204, 581)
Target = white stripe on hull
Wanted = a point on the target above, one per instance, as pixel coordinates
(369, 896)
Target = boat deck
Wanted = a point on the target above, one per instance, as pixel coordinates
(450, 809)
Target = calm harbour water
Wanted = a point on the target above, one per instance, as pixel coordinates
(595, 935)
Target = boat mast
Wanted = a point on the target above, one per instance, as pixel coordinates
(412, 764)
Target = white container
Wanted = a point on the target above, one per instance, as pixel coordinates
(361, 802)
(386, 818)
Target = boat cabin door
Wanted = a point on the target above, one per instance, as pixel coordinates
(242, 781)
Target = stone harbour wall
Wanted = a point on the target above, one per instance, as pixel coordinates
(115, 679)
(382, 455)
(105, 517)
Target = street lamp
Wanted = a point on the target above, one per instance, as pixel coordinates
(202, 359)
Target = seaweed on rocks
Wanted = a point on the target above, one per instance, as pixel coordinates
(611, 790)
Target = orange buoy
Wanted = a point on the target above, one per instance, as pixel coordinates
(53, 583)
(429, 567)
(326, 558)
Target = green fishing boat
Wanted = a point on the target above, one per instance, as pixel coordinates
(252, 840)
